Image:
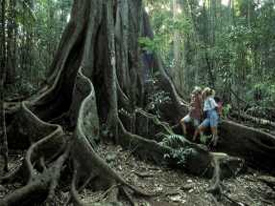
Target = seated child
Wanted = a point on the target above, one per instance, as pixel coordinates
(195, 110)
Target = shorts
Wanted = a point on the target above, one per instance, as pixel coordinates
(211, 120)
(188, 119)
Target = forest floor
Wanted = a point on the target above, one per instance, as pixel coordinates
(178, 188)
(174, 186)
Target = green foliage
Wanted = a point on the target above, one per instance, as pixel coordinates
(20, 89)
(25, 14)
(226, 110)
(175, 141)
(229, 47)
(180, 151)
(180, 156)
(33, 32)
(165, 24)
(148, 44)
(204, 139)
(265, 92)
(156, 99)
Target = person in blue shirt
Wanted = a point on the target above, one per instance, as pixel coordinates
(212, 117)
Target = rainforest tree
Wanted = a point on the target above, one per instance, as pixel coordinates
(99, 87)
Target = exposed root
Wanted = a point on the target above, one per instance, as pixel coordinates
(42, 164)
(128, 196)
(269, 180)
(258, 121)
(149, 148)
(4, 154)
(112, 194)
(29, 193)
(214, 200)
(243, 141)
(8, 178)
(165, 127)
(235, 202)
(74, 194)
(84, 143)
(57, 168)
(216, 189)
(109, 191)
(39, 186)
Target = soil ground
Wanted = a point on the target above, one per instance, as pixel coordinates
(174, 187)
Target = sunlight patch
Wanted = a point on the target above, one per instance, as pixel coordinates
(68, 17)
(224, 2)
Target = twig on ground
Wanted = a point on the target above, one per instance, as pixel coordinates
(143, 174)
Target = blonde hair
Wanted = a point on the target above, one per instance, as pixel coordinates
(208, 92)
(197, 90)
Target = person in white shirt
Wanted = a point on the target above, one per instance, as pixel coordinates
(212, 117)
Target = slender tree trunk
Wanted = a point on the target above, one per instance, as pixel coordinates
(3, 61)
(178, 70)
(11, 43)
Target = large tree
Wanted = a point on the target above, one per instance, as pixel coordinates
(96, 87)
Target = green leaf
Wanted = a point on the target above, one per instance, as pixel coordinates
(25, 14)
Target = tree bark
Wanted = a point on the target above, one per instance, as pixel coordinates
(3, 61)
(11, 44)
(255, 146)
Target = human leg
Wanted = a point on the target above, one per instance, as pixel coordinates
(214, 127)
(200, 129)
(183, 122)
(214, 132)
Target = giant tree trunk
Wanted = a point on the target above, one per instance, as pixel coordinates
(95, 82)
(96, 71)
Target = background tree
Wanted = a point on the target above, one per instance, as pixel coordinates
(33, 32)
(3, 63)
(225, 45)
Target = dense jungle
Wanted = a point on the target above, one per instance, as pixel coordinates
(137, 102)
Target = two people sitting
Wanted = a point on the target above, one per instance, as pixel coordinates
(197, 111)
